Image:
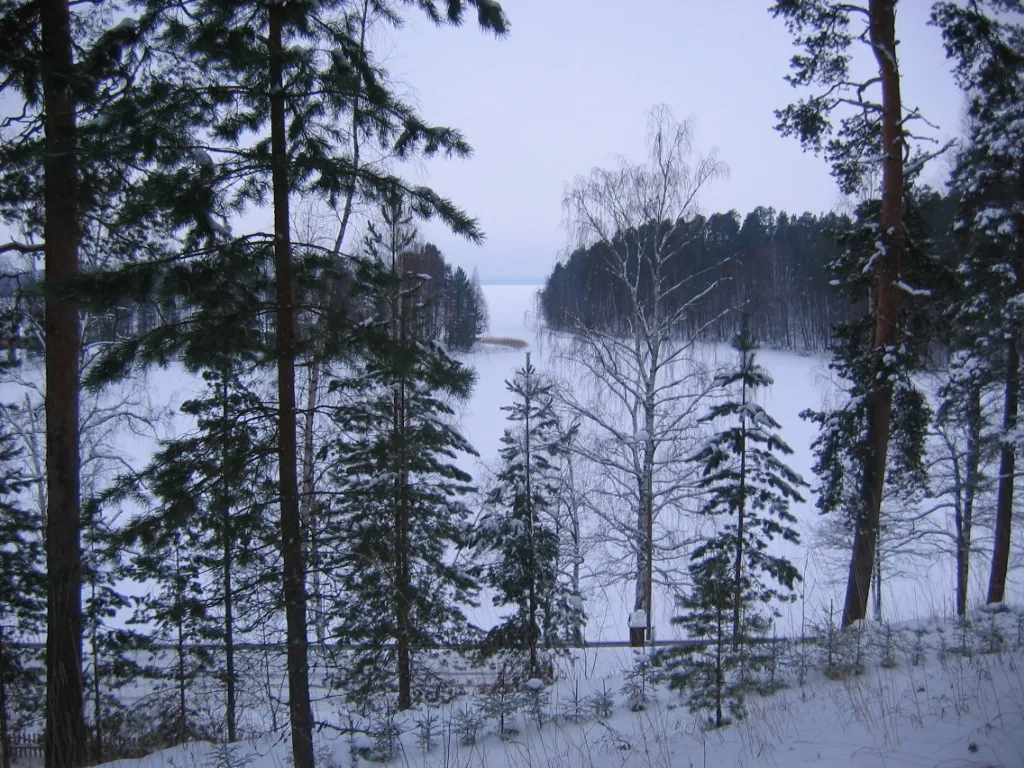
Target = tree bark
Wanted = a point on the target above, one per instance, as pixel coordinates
(887, 307)
(964, 516)
(65, 742)
(229, 595)
(1007, 469)
(740, 515)
(288, 489)
(1008, 449)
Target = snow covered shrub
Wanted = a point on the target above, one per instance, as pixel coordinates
(467, 723)
(574, 707)
(228, 756)
(991, 638)
(638, 681)
(918, 650)
(537, 700)
(770, 659)
(427, 730)
(837, 648)
(501, 702)
(886, 643)
(964, 634)
(602, 703)
(386, 734)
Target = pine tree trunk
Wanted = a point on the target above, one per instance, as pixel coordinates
(1008, 449)
(887, 307)
(182, 712)
(719, 674)
(531, 566)
(1007, 469)
(402, 586)
(291, 528)
(740, 514)
(229, 595)
(65, 724)
(307, 505)
(964, 515)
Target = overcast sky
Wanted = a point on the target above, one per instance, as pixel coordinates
(571, 87)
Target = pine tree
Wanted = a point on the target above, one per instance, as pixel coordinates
(843, 448)
(285, 76)
(746, 478)
(986, 42)
(879, 128)
(399, 494)
(519, 529)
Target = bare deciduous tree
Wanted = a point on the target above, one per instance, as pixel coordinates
(645, 383)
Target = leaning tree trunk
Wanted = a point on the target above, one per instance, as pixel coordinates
(1008, 451)
(288, 489)
(65, 739)
(887, 308)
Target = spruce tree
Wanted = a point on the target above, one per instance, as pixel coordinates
(399, 513)
(737, 580)
(709, 675)
(519, 529)
(213, 484)
(22, 595)
(746, 478)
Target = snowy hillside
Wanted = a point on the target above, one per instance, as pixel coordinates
(922, 693)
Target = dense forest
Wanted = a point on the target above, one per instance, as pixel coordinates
(775, 269)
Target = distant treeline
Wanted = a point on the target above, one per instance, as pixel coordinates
(453, 311)
(772, 268)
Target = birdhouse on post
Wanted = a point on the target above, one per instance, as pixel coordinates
(637, 628)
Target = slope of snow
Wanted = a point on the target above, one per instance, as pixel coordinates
(938, 700)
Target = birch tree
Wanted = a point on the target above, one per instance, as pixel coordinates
(646, 383)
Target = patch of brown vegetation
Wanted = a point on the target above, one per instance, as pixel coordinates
(504, 341)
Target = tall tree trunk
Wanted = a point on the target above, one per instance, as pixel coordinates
(182, 703)
(530, 538)
(65, 741)
(288, 489)
(1008, 449)
(229, 593)
(887, 308)
(740, 515)
(964, 515)
(1007, 469)
(307, 505)
(401, 424)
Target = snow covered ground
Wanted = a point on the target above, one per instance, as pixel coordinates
(925, 693)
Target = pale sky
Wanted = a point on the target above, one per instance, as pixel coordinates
(571, 87)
